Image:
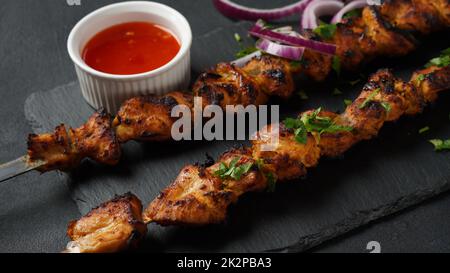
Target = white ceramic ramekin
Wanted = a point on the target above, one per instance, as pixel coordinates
(107, 90)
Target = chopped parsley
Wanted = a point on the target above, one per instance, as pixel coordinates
(302, 94)
(348, 102)
(271, 182)
(353, 13)
(386, 106)
(420, 78)
(336, 65)
(424, 129)
(270, 177)
(440, 145)
(326, 31)
(233, 171)
(337, 92)
(369, 98)
(441, 61)
(237, 37)
(315, 124)
(300, 131)
(246, 51)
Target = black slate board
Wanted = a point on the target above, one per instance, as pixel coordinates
(374, 179)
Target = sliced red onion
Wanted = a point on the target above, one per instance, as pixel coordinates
(318, 8)
(259, 31)
(233, 10)
(349, 7)
(284, 51)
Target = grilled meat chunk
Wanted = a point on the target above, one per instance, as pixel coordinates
(199, 196)
(389, 41)
(64, 150)
(225, 85)
(114, 226)
(53, 149)
(272, 75)
(148, 118)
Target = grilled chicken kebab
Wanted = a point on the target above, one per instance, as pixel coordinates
(201, 194)
(387, 30)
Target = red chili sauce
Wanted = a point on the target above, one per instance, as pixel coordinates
(130, 48)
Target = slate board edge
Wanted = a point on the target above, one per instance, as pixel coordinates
(362, 218)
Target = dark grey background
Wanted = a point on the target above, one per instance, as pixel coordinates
(35, 210)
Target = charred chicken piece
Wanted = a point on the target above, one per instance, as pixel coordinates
(225, 85)
(414, 15)
(112, 227)
(148, 118)
(54, 149)
(64, 150)
(200, 196)
(389, 41)
(272, 75)
(431, 81)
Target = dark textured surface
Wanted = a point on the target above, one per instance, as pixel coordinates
(35, 209)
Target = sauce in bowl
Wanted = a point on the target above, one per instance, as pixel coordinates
(131, 48)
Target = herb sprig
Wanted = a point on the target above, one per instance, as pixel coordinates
(233, 171)
(315, 124)
(440, 145)
(441, 61)
(371, 97)
(326, 31)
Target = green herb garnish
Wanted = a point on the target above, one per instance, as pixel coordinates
(369, 98)
(325, 30)
(386, 107)
(336, 65)
(424, 129)
(237, 37)
(233, 171)
(271, 179)
(353, 13)
(348, 102)
(441, 61)
(300, 131)
(440, 145)
(246, 51)
(315, 124)
(271, 182)
(337, 92)
(420, 78)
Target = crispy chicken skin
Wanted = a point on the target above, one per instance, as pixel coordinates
(148, 118)
(113, 226)
(64, 150)
(199, 197)
(55, 149)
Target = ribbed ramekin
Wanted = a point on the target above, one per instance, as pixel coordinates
(101, 89)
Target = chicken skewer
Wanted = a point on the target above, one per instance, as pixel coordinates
(379, 31)
(201, 194)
